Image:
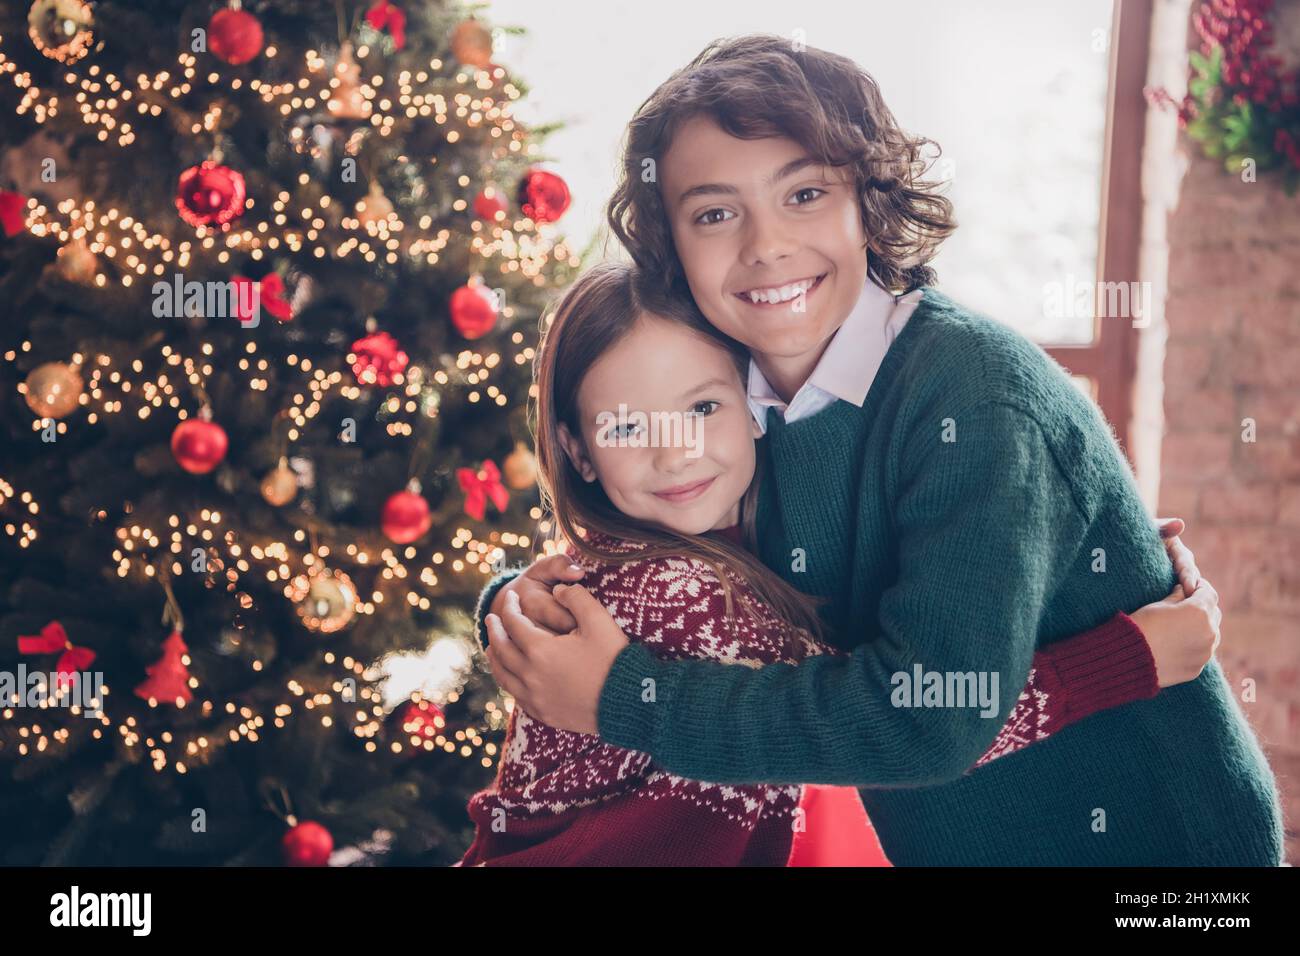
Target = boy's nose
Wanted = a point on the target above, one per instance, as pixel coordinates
(767, 240)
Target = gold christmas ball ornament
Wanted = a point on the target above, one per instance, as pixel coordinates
(325, 600)
(76, 262)
(63, 30)
(54, 389)
(280, 486)
(471, 43)
(520, 468)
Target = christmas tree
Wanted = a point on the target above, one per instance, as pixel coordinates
(271, 278)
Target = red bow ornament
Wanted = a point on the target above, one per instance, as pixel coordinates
(481, 485)
(54, 638)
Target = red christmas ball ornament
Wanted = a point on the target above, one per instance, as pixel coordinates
(234, 36)
(489, 204)
(543, 196)
(423, 719)
(377, 359)
(199, 444)
(307, 844)
(473, 310)
(209, 194)
(406, 516)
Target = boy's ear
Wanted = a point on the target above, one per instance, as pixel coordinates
(573, 448)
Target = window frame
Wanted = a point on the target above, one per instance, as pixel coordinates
(1110, 359)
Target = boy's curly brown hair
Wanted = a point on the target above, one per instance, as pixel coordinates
(760, 85)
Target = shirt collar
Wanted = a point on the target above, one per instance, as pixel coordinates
(851, 359)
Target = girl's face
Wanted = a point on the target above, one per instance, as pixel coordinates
(770, 240)
(666, 428)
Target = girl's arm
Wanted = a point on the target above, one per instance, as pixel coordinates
(1105, 667)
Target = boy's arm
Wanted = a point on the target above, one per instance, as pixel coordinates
(983, 524)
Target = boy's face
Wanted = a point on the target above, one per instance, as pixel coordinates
(761, 219)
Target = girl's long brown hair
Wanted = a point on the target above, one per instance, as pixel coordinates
(760, 85)
(601, 307)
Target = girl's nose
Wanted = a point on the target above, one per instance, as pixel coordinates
(670, 459)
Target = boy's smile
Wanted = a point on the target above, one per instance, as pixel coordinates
(770, 240)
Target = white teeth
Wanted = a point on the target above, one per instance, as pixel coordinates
(780, 293)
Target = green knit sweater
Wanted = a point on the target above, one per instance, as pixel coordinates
(975, 507)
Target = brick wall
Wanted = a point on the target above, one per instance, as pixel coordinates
(1232, 353)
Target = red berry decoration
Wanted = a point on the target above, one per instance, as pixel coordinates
(543, 196)
(473, 310)
(234, 36)
(377, 360)
(209, 194)
(199, 445)
(406, 516)
(488, 204)
(307, 844)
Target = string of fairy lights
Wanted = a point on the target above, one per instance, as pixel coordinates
(104, 99)
(314, 223)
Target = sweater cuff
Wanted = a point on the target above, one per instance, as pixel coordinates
(1102, 668)
(624, 717)
(485, 599)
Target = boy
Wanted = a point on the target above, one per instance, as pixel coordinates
(932, 474)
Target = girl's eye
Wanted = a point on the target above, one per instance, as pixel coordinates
(805, 191)
(707, 218)
(626, 430)
(707, 401)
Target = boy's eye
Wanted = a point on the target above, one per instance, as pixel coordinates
(805, 191)
(695, 409)
(710, 216)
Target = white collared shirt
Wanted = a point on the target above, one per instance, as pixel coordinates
(848, 366)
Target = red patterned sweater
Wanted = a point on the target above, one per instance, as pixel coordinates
(569, 799)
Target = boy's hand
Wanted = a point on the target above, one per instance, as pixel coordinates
(1182, 632)
(533, 588)
(557, 678)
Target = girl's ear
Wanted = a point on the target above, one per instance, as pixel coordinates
(573, 448)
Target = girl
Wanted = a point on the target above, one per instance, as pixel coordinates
(664, 532)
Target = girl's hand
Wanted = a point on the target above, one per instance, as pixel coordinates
(1182, 557)
(1182, 632)
(534, 590)
(557, 678)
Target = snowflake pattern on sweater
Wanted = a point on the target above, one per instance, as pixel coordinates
(677, 607)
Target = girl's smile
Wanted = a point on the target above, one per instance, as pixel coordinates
(689, 492)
